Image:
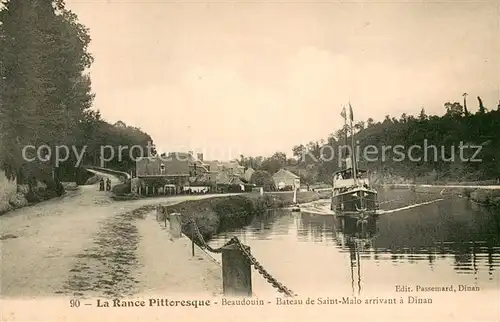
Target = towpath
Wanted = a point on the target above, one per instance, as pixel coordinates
(86, 244)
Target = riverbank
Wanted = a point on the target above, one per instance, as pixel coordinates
(485, 195)
(214, 215)
(87, 245)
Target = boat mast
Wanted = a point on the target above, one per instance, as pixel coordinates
(353, 157)
(344, 129)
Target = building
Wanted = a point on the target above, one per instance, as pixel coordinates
(196, 165)
(226, 182)
(286, 180)
(233, 168)
(212, 170)
(157, 172)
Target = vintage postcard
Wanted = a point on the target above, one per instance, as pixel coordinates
(233, 160)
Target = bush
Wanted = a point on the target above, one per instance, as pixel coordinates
(121, 189)
(126, 197)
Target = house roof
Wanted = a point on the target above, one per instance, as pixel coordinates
(223, 178)
(213, 166)
(185, 156)
(236, 180)
(151, 166)
(231, 165)
(285, 173)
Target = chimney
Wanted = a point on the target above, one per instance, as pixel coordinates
(200, 156)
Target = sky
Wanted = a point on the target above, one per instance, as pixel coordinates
(255, 77)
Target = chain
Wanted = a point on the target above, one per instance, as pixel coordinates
(273, 281)
(245, 251)
(197, 235)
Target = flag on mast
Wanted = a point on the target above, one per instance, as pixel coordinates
(343, 113)
(350, 112)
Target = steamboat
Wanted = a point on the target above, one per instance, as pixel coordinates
(353, 195)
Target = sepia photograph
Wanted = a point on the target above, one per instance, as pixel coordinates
(247, 160)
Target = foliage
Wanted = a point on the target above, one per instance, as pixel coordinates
(263, 179)
(315, 162)
(121, 189)
(44, 90)
(46, 95)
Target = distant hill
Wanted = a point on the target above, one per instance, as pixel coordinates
(405, 156)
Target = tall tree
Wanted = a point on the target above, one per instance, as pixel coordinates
(422, 116)
(466, 111)
(482, 109)
(45, 89)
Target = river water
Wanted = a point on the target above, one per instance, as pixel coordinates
(449, 242)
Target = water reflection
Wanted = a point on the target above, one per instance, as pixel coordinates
(418, 235)
(350, 235)
(356, 236)
(446, 242)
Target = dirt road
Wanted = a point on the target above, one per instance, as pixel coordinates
(88, 245)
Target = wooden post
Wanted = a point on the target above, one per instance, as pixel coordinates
(236, 272)
(192, 238)
(175, 225)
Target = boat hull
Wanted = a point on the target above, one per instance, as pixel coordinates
(355, 202)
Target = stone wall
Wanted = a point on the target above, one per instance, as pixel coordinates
(13, 196)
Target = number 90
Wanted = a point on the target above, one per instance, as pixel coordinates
(74, 303)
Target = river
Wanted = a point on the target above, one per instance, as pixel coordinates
(449, 242)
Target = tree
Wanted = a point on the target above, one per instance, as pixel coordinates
(314, 151)
(274, 163)
(454, 109)
(331, 139)
(46, 94)
(299, 152)
(263, 179)
(21, 90)
(466, 111)
(482, 109)
(404, 117)
(120, 124)
(422, 116)
(359, 126)
(45, 91)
